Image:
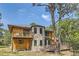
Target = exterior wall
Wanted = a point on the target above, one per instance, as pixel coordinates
(17, 31)
(29, 42)
(25, 46)
(15, 44)
(38, 37)
(15, 37)
(48, 39)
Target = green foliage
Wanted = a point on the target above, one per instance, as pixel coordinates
(1, 32)
(70, 33)
(1, 24)
(5, 39)
(49, 27)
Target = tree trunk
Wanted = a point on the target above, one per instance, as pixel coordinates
(52, 9)
(59, 29)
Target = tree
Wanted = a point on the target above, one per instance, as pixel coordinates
(1, 29)
(1, 24)
(70, 33)
(7, 37)
(50, 7)
(63, 10)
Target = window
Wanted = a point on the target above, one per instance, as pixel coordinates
(20, 41)
(40, 30)
(46, 33)
(48, 42)
(35, 30)
(40, 42)
(35, 42)
(45, 42)
(25, 33)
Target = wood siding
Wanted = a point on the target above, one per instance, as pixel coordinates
(26, 44)
(17, 34)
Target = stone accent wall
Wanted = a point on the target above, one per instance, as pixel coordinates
(38, 37)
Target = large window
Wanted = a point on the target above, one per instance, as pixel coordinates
(35, 30)
(41, 31)
(40, 42)
(35, 42)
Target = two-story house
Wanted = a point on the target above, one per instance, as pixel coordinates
(34, 38)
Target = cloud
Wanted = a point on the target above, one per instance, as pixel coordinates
(21, 10)
(46, 17)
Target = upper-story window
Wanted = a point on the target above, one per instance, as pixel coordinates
(46, 33)
(35, 30)
(25, 33)
(41, 31)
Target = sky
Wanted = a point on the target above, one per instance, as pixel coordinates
(24, 14)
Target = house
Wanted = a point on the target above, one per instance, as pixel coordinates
(34, 38)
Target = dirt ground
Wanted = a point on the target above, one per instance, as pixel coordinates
(8, 52)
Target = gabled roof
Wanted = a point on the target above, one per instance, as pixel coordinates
(19, 26)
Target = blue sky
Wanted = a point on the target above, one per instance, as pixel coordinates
(24, 14)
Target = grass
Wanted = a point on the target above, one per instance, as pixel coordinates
(6, 51)
(1, 46)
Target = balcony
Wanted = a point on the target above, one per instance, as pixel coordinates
(21, 35)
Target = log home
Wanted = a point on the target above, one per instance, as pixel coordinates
(34, 38)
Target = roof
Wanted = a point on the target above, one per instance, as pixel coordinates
(37, 26)
(21, 26)
(49, 30)
(29, 27)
